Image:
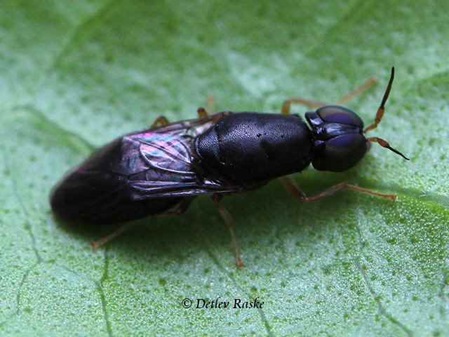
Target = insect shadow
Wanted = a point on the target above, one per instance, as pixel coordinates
(200, 231)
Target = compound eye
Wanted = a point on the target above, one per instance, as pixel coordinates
(340, 115)
(341, 153)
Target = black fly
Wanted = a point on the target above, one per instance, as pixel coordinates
(162, 169)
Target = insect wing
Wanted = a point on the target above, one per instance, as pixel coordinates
(140, 174)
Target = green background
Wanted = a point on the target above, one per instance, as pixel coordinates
(76, 74)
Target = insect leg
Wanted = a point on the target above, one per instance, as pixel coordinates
(294, 189)
(104, 240)
(178, 209)
(202, 113)
(230, 224)
(357, 91)
(210, 103)
(316, 104)
(160, 121)
(286, 106)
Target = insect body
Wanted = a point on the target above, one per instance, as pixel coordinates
(160, 170)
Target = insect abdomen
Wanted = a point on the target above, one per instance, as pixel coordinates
(100, 191)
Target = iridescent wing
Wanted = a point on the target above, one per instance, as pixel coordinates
(143, 173)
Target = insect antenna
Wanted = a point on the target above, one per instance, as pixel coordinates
(379, 115)
(385, 144)
(381, 109)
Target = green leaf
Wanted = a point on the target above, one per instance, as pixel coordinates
(74, 75)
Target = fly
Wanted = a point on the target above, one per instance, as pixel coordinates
(160, 170)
